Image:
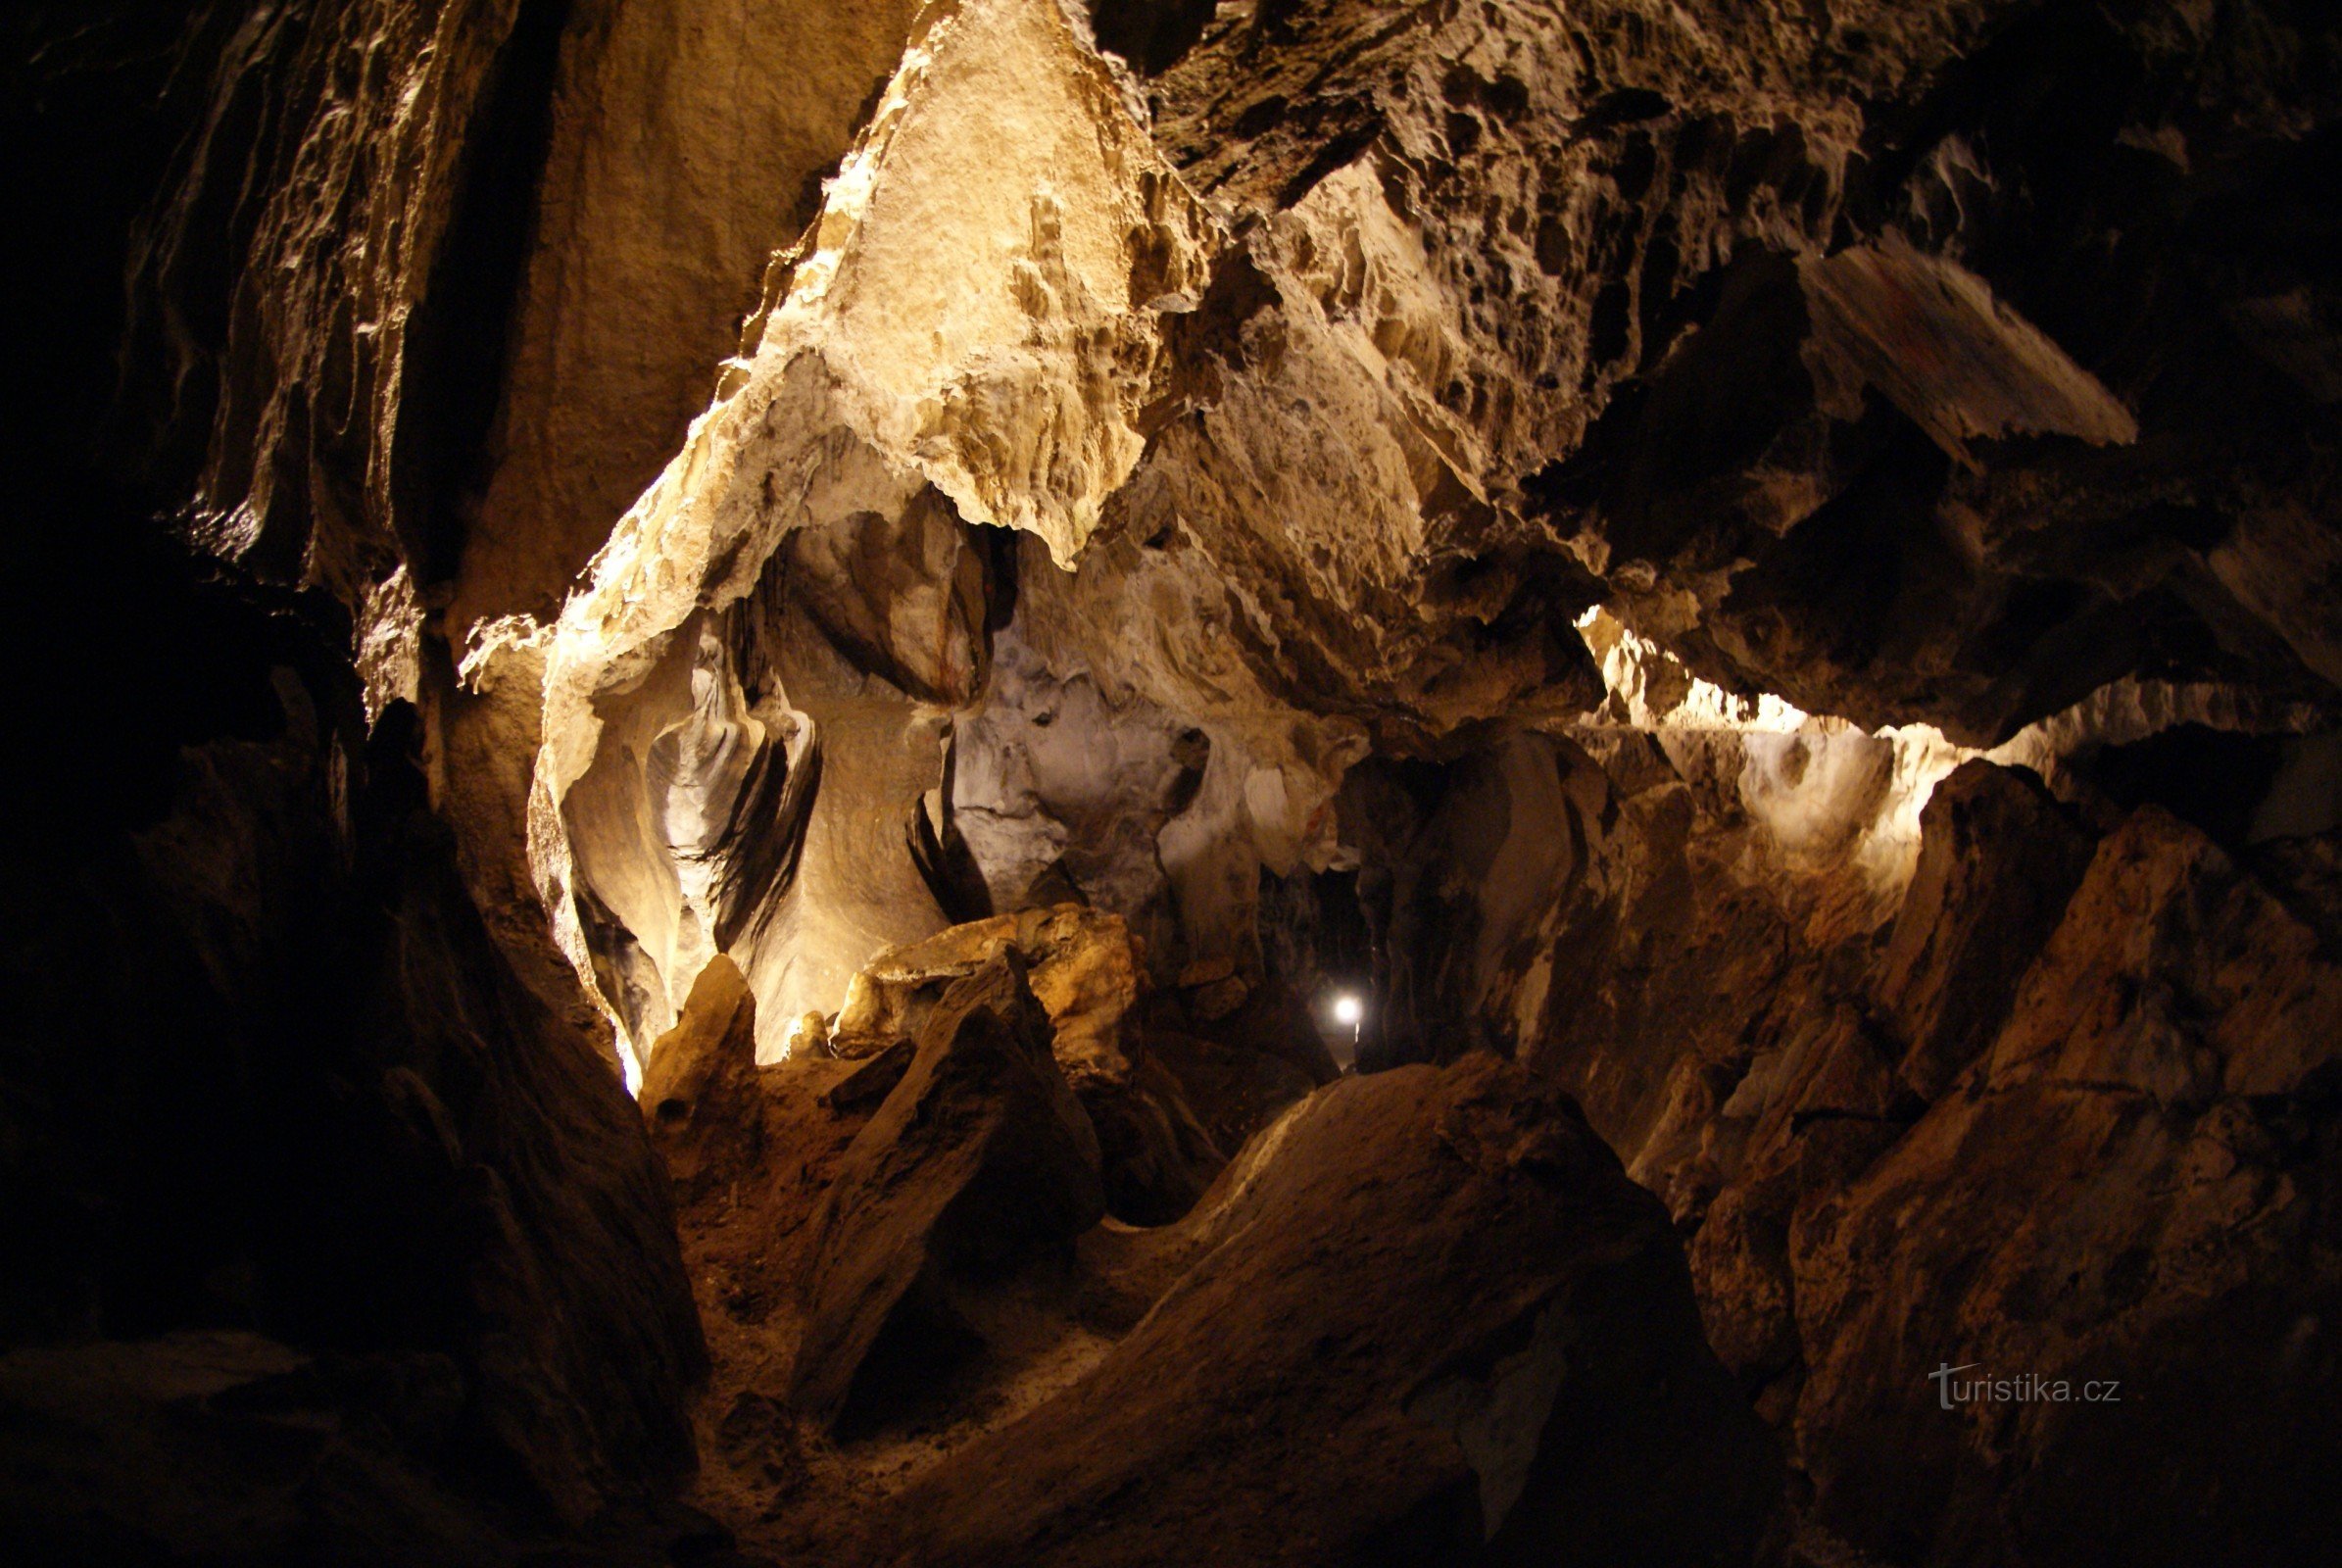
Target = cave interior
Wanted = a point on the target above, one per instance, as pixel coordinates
(950, 782)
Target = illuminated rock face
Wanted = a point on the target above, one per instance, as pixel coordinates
(1774, 565)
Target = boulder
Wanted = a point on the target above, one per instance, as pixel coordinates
(751, 1149)
(1084, 971)
(1998, 858)
(700, 1094)
(1433, 1319)
(977, 1159)
(1081, 965)
(1806, 1119)
(2131, 1193)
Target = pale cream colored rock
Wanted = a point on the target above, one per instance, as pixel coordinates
(684, 137)
(1082, 967)
(976, 307)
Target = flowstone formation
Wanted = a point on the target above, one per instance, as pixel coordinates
(1346, 782)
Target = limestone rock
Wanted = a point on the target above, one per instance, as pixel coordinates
(2119, 1194)
(1499, 1346)
(273, 1072)
(1079, 961)
(1085, 972)
(1512, 510)
(700, 1097)
(1804, 1122)
(1233, 1091)
(669, 175)
(752, 1149)
(1998, 858)
(232, 1449)
(1160, 1156)
(978, 1156)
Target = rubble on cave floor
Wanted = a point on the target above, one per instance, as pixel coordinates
(931, 1344)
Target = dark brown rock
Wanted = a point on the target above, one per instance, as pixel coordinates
(1998, 858)
(979, 1156)
(2136, 1187)
(1434, 1310)
(751, 1149)
(1273, 1020)
(1158, 1157)
(1235, 1092)
(700, 1094)
(1807, 1118)
(230, 1449)
(1086, 973)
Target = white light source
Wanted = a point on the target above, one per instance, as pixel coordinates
(1348, 1010)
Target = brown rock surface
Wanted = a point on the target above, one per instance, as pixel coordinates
(1080, 963)
(979, 1156)
(1437, 1311)
(1084, 971)
(1233, 1090)
(2134, 1185)
(1489, 475)
(752, 1150)
(1998, 858)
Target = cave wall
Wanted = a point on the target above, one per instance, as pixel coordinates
(326, 1232)
(1351, 350)
(1935, 1064)
(1570, 518)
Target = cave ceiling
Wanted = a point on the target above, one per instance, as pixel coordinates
(725, 395)
(1304, 781)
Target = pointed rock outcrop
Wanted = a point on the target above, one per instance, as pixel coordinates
(979, 1156)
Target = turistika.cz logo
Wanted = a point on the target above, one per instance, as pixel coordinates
(2026, 1388)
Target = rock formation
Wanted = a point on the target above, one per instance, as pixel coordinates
(1436, 1316)
(1344, 782)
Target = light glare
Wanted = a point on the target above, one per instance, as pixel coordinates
(1348, 1010)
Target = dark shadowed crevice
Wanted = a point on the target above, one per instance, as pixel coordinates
(1153, 35)
(461, 332)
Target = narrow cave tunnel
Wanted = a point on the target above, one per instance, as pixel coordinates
(962, 782)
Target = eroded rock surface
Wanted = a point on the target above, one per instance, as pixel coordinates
(2134, 1184)
(980, 1156)
(1437, 1314)
(1086, 973)
(1998, 858)
(559, 532)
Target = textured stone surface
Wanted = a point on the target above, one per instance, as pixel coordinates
(2135, 1186)
(1082, 966)
(1517, 513)
(1998, 861)
(227, 1447)
(1411, 333)
(979, 1155)
(1086, 971)
(1500, 1346)
(271, 1071)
